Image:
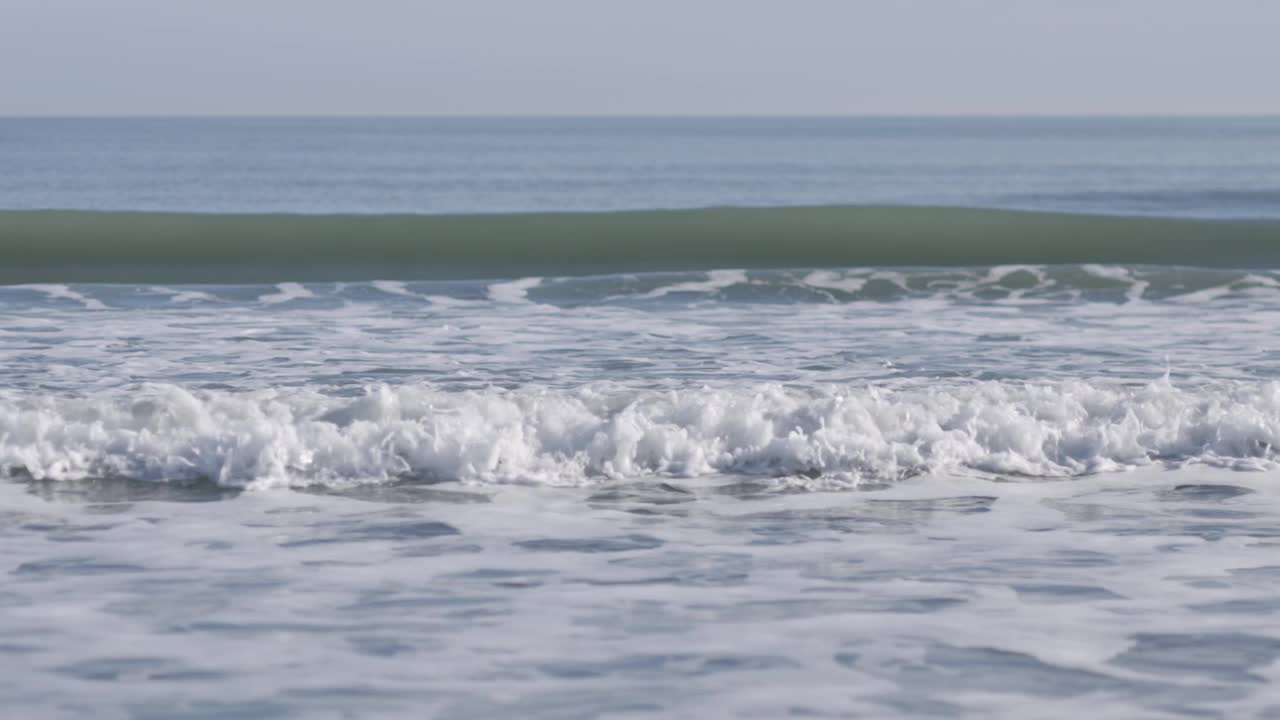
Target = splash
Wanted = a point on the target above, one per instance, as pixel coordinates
(834, 436)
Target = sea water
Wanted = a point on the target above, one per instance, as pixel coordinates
(917, 489)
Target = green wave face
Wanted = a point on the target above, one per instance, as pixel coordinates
(75, 246)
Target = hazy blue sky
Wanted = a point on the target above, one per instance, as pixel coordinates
(638, 56)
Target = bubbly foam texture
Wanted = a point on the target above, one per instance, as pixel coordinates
(62, 292)
(287, 291)
(1014, 284)
(833, 436)
(515, 291)
(183, 296)
(716, 280)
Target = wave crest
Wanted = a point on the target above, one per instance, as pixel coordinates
(836, 435)
(132, 247)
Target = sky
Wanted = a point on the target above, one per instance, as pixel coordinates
(638, 57)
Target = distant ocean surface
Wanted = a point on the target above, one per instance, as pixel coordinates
(577, 418)
(1214, 167)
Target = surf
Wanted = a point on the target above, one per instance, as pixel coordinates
(822, 437)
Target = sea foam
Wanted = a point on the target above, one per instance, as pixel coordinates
(828, 436)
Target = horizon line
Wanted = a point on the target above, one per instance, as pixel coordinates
(638, 116)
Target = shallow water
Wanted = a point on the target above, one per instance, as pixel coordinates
(1149, 594)
(728, 494)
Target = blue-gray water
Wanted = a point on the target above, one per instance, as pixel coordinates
(914, 490)
(1211, 167)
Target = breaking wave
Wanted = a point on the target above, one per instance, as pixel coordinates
(131, 247)
(829, 436)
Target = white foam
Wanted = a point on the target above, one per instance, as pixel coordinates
(837, 434)
(184, 296)
(997, 275)
(515, 291)
(716, 280)
(393, 287)
(830, 280)
(288, 291)
(1000, 272)
(62, 292)
(1137, 288)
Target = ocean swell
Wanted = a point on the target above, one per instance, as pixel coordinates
(134, 247)
(828, 436)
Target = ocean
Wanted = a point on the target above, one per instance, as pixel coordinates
(626, 418)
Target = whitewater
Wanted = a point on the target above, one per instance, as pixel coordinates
(625, 418)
